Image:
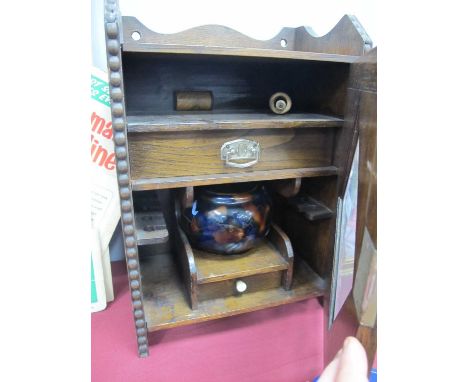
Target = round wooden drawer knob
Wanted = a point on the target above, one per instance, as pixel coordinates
(241, 286)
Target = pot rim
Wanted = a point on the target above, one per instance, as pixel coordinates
(244, 195)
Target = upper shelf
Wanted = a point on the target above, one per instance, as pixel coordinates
(344, 43)
(215, 121)
(240, 52)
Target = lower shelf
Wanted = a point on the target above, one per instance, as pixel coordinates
(166, 304)
(262, 259)
(142, 184)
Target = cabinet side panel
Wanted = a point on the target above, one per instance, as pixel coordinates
(116, 91)
(362, 124)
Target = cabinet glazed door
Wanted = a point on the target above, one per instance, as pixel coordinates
(351, 306)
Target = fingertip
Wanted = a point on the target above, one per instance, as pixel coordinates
(353, 344)
(329, 373)
(348, 341)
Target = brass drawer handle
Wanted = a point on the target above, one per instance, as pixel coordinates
(235, 153)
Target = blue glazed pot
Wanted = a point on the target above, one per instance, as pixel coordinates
(228, 219)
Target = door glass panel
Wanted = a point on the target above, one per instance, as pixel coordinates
(345, 242)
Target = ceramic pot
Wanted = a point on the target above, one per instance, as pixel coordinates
(228, 219)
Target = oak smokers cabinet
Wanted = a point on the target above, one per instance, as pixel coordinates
(305, 159)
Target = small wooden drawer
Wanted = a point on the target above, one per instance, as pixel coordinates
(239, 286)
(196, 153)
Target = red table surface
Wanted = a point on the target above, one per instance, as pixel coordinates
(282, 344)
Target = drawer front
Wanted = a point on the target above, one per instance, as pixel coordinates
(159, 155)
(226, 288)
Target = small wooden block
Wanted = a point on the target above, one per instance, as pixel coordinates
(193, 100)
(310, 208)
(151, 228)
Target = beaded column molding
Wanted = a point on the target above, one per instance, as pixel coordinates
(114, 65)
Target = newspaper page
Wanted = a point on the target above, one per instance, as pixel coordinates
(105, 211)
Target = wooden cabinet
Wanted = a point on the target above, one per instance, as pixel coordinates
(304, 157)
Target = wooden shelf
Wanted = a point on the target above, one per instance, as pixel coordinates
(166, 305)
(234, 51)
(203, 180)
(263, 258)
(215, 121)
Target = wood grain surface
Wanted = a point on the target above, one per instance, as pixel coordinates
(333, 101)
(166, 304)
(360, 122)
(366, 72)
(345, 41)
(227, 288)
(237, 121)
(193, 100)
(203, 180)
(159, 155)
(151, 228)
(238, 85)
(264, 258)
(187, 267)
(266, 266)
(283, 245)
(240, 52)
(287, 187)
(313, 240)
(368, 338)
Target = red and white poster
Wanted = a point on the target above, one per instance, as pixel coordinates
(105, 211)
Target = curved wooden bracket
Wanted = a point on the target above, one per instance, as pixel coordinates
(185, 253)
(283, 245)
(186, 259)
(287, 187)
(186, 197)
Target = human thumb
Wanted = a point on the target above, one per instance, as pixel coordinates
(353, 362)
